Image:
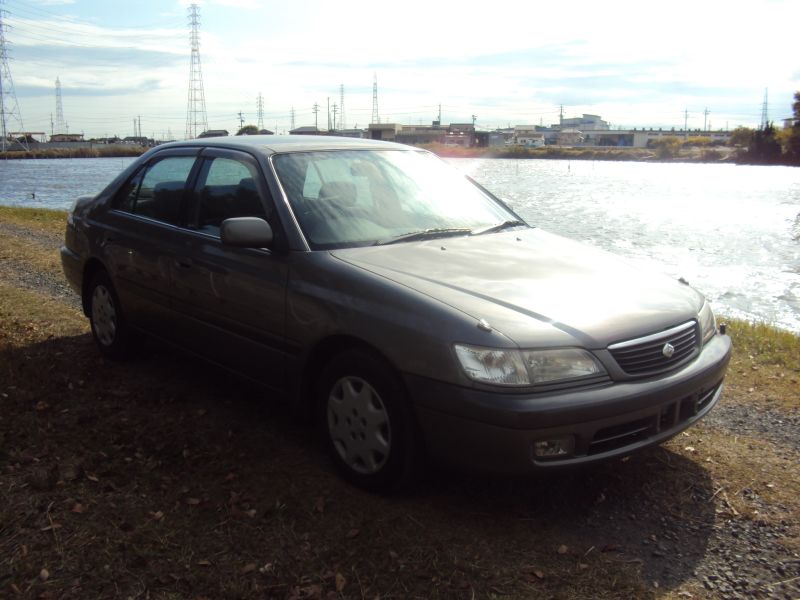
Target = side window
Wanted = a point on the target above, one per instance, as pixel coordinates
(156, 191)
(226, 189)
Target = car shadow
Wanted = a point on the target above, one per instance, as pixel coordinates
(166, 425)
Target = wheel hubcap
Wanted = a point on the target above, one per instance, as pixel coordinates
(104, 315)
(359, 425)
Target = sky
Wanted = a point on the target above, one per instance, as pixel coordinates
(636, 64)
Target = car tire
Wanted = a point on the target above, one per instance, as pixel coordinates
(109, 328)
(367, 422)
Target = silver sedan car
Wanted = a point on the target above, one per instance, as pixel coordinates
(406, 308)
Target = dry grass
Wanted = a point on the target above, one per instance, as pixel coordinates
(38, 219)
(765, 367)
(161, 477)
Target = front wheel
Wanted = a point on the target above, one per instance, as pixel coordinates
(367, 421)
(109, 328)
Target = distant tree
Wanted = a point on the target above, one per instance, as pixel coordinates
(666, 147)
(741, 137)
(792, 146)
(765, 146)
(697, 141)
(248, 130)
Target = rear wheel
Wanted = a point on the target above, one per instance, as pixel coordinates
(109, 329)
(367, 422)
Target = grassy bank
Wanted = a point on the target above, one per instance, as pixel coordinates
(97, 151)
(163, 477)
(699, 155)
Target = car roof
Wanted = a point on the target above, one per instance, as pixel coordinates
(272, 144)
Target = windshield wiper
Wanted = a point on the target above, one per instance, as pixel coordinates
(499, 226)
(427, 234)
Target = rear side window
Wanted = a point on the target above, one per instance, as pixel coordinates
(156, 191)
(226, 189)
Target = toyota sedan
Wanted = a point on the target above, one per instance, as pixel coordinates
(415, 315)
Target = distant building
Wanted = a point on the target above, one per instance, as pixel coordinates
(214, 133)
(570, 137)
(66, 137)
(135, 140)
(307, 130)
(585, 123)
(527, 136)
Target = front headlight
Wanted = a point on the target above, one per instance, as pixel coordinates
(547, 366)
(708, 323)
(527, 367)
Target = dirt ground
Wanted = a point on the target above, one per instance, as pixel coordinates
(164, 478)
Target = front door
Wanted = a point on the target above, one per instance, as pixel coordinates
(234, 297)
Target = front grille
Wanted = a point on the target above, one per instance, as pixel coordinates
(645, 356)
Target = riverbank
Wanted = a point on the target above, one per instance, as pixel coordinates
(696, 155)
(161, 476)
(96, 151)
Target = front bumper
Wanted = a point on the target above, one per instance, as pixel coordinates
(492, 431)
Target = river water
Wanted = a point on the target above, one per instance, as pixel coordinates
(731, 231)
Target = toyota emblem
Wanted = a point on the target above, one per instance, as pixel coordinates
(668, 350)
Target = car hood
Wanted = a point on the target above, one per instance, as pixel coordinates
(534, 287)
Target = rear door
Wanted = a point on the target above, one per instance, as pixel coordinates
(141, 237)
(234, 298)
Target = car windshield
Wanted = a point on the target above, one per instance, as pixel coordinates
(348, 198)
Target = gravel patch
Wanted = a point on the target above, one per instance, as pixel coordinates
(774, 426)
(48, 240)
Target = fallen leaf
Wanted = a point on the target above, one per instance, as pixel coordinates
(251, 513)
(340, 582)
(562, 549)
(79, 508)
(248, 568)
(204, 563)
(192, 501)
(91, 477)
(158, 515)
(690, 449)
(352, 533)
(41, 405)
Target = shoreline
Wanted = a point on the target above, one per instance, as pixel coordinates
(698, 155)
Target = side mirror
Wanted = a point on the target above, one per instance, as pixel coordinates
(246, 232)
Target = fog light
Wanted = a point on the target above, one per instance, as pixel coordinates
(555, 448)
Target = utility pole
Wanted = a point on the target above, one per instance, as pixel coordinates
(376, 118)
(706, 112)
(60, 122)
(473, 120)
(9, 109)
(685, 122)
(292, 119)
(335, 109)
(196, 118)
(140, 125)
(561, 116)
(342, 124)
(764, 109)
(241, 120)
(315, 110)
(260, 111)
